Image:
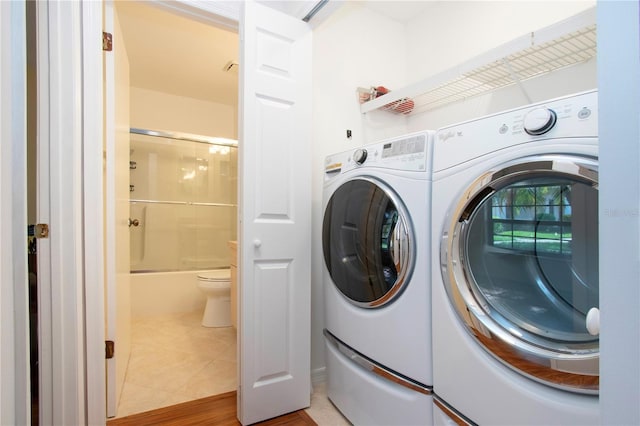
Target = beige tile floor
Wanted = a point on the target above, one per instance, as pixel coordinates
(322, 410)
(174, 359)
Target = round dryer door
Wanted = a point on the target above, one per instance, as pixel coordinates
(520, 261)
(367, 242)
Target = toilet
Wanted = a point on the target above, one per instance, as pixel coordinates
(216, 285)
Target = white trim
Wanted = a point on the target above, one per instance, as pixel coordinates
(619, 220)
(109, 225)
(223, 14)
(93, 191)
(93, 222)
(45, 379)
(60, 257)
(318, 376)
(14, 308)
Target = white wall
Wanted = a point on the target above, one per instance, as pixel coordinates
(450, 33)
(154, 110)
(574, 79)
(356, 47)
(619, 92)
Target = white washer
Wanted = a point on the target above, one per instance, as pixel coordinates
(376, 242)
(515, 266)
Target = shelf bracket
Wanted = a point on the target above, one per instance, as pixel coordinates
(516, 79)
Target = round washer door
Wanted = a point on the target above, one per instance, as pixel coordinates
(520, 265)
(367, 242)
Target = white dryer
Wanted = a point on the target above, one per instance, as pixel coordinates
(515, 266)
(376, 244)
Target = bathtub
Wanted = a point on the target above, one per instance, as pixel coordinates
(165, 293)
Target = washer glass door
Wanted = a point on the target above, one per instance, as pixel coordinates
(523, 256)
(367, 242)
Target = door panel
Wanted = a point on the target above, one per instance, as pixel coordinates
(118, 327)
(275, 218)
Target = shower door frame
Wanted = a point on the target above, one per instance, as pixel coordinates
(179, 137)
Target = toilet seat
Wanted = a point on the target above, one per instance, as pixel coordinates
(215, 275)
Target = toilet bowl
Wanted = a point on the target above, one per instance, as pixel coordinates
(216, 285)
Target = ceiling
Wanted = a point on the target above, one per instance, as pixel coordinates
(177, 55)
(402, 11)
(173, 54)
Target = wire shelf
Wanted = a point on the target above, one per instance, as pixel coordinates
(560, 46)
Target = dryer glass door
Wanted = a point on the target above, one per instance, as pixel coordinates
(524, 258)
(367, 242)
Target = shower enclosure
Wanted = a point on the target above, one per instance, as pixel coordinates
(183, 201)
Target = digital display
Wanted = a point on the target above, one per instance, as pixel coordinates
(404, 147)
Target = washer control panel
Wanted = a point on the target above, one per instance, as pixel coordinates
(409, 153)
(406, 153)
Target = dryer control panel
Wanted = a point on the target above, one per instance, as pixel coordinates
(407, 153)
(569, 118)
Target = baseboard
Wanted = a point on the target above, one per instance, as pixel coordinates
(318, 375)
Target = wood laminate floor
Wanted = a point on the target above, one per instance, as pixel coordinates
(219, 410)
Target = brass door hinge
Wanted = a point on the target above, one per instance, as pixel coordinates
(41, 230)
(107, 41)
(109, 348)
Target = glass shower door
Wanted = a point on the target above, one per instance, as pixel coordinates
(183, 195)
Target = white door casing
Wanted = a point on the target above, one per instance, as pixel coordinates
(93, 212)
(118, 318)
(275, 214)
(15, 406)
(64, 139)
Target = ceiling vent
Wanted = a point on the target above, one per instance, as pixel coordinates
(232, 67)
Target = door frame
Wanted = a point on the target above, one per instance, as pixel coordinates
(15, 406)
(71, 131)
(217, 14)
(70, 199)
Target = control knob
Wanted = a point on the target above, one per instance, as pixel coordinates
(539, 121)
(360, 156)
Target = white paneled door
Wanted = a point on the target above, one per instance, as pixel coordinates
(275, 218)
(118, 311)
